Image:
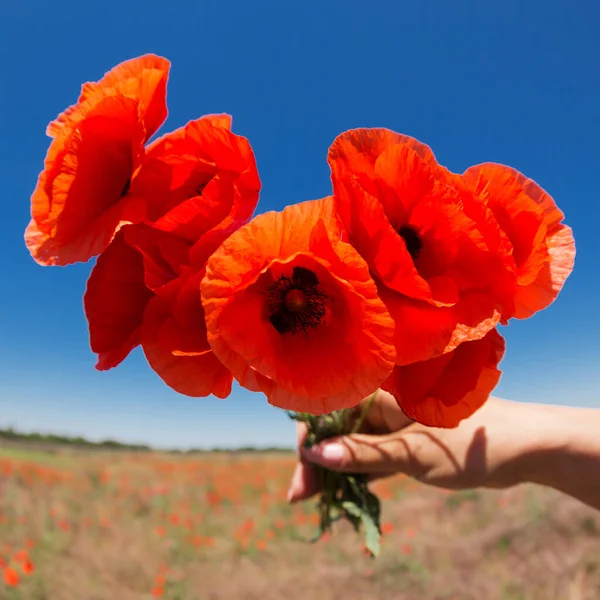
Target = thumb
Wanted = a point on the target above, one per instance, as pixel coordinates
(361, 453)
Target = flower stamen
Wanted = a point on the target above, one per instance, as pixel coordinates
(296, 303)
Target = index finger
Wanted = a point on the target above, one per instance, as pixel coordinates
(384, 416)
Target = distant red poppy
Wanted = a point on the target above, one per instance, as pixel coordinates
(11, 577)
(292, 311)
(21, 556)
(442, 264)
(543, 247)
(27, 567)
(200, 183)
(442, 391)
(82, 197)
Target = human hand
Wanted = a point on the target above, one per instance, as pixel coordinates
(489, 449)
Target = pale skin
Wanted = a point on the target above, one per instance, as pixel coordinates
(503, 444)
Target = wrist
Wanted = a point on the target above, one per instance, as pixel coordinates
(557, 442)
(545, 439)
(521, 438)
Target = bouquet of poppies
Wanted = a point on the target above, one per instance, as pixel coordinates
(397, 281)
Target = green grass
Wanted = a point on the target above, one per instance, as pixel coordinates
(42, 457)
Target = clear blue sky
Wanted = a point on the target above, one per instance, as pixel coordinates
(514, 82)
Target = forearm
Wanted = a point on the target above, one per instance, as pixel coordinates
(565, 452)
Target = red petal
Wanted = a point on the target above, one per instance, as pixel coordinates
(180, 166)
(165, 255)
(423, 331)
(377, 241)
(80, 201)
(544, 249)
(195, 376)
(544, 289)
(144, 79)
(184, 331)
(443, 391)
(114, 302)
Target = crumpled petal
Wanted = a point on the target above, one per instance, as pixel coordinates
(115, 300)
(201, 183)
(81, 198)
(443, 391)
(165, 256)
(428, 331)
(543, 247)
(196, 375)
(143, 79)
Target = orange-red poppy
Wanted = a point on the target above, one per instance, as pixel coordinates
(442, 264)
(27, 567)
(442, 391)
(21, 556)
(543, 247)
(292, 311)
(82, 197)
(11, 577)
(200, 183)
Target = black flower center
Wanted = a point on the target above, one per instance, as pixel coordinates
(296, 303)
(412, 240)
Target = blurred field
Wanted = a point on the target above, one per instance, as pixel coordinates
(119, 526)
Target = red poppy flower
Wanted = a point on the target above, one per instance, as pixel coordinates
(292, 311)
(442, 391)
(543, 247)
(27, 567)
(200, 184)
(442, 264)
(11, 577)
(83, 197)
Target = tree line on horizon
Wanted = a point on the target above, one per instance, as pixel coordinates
(11, 434)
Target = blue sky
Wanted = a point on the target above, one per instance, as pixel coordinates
(510, 82)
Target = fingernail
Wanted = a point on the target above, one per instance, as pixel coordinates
(325, 454)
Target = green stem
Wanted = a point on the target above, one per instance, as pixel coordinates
(364, 412)
(343, 495)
